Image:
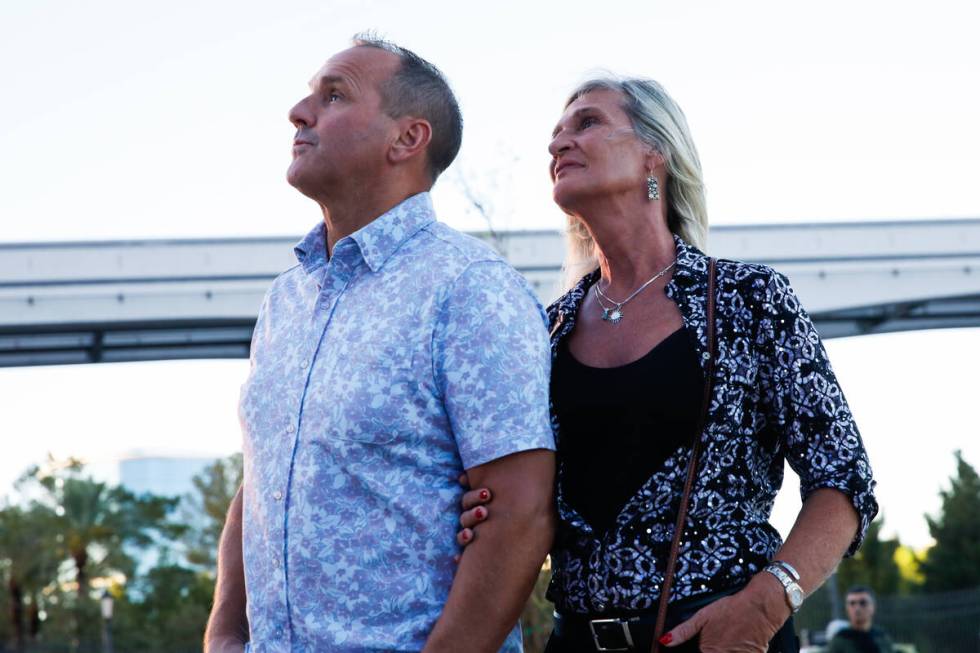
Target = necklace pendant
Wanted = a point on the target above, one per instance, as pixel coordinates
(614, 316)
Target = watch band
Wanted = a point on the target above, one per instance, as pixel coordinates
(793, 592)
(788, 568)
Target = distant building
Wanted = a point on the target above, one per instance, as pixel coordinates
(164, 475)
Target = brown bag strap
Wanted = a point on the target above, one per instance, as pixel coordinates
(691, 467)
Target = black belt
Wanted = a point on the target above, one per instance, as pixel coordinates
(608, 634)
(630, 632)
(636, 633)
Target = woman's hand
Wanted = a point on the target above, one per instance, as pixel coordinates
(740, 623)
(474, 512)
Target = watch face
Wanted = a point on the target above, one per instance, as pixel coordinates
(795, 594)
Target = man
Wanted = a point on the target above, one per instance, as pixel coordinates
(396, 355)
(861, 636)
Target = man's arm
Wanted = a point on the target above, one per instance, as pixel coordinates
(227, 629)
(498, 570)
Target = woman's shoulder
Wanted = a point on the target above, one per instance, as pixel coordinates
(743, 272)
(758, 287)
(755, 279)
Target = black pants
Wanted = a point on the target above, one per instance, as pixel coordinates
(785, 641)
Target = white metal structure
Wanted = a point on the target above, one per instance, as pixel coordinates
(147, 300)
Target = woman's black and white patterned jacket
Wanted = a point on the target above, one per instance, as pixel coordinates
(775, 398)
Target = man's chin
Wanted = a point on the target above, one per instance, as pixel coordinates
(298, 180)
(294, 174)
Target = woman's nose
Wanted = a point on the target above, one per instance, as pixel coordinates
(559, 144)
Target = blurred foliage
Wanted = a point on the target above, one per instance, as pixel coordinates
(94, 523)
(873, 565)
(954, 561)
(537, 618)
(68, 538)
(207, 506)
(908, 561)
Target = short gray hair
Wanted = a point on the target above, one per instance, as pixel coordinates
(420, 89)
(659, 122)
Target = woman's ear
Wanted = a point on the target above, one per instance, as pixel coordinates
(655, 160)
(413, 138)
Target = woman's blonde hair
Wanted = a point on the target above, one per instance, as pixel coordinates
(660, 123)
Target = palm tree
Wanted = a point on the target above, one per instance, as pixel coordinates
(96, 523)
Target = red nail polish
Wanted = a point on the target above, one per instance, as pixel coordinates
(480, 513)
(667, 639)
(466, 536)
(484, 495)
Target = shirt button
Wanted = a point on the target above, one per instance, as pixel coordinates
(277, 495)
(278, 633)
(705, 355)
(276, 562)
(304, 365)
(600, 606)
(290, 429)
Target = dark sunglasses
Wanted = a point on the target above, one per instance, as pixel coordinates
(860, 602)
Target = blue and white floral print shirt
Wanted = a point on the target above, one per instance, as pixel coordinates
(377, 376)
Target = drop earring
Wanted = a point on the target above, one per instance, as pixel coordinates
(653, 188)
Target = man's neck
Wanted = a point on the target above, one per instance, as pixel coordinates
(344, 216)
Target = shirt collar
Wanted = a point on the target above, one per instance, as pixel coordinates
(377, 240)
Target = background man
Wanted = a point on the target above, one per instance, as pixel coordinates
(861, 636)
(396, 354)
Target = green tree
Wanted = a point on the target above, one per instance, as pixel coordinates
(28, 566)
(873, 565)
(207, 506)
(95, 523)
(164, 610)
(954, 561)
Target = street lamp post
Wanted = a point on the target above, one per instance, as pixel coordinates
(106, 603)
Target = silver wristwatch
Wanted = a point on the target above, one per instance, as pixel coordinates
(794, 593)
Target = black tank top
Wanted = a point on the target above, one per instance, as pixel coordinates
(619, 425)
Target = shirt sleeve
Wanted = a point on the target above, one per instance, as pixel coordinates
(810, 414)
(492, 364)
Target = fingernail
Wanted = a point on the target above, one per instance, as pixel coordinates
(484, 495)
(466, 536)
(480, 513)
(667, 639)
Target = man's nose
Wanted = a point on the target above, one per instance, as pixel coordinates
(300, 115)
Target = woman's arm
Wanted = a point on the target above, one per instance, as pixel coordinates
(806, 409)
(746, 621)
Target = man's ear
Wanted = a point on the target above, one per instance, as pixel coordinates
(413, 138)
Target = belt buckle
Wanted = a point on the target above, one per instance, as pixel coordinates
(601, 628)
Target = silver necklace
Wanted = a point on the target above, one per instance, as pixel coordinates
(614, 314)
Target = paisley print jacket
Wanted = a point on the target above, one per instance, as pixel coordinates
(775, 398)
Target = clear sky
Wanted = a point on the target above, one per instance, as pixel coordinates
(137, 120)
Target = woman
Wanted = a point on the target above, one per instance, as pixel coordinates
(632, 358)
